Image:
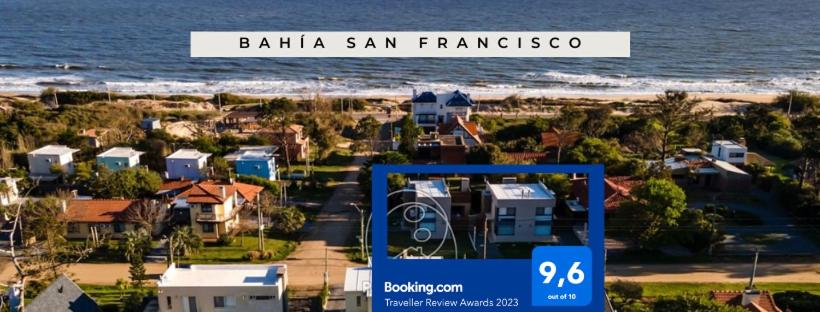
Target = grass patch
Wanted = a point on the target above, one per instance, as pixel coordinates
(237, 251)
(652, 290)
(109, 295)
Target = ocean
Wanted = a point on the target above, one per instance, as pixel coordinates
(728, 46)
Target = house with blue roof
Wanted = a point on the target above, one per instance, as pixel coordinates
(432, 110)
(118, 158)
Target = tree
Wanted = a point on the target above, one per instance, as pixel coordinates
(135, 244)
(122, 285)
(797, 102)
(596, 151)
(368, 129)
(222, 170)
(808, 127)
(183, 241)
(691, 302)
(797, 301)
(567, 123)
(364, 179)
(137, 271)
(146, 213)
(655, 207)
(598, 121)
(698, 231)
(627, 290)
(288, 220)
(409, 136)
(672, 111)
(126, 183)
(486, 154)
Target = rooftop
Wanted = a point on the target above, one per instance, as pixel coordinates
(520, 191)
(222, 275)
(254, 150)
(358, 280)
(188, 154)
(120, 152)
(764, 303)
(728, 144)
(430, 188)
(62, 295)
(54, 150)
(97, 210)
(210, 192)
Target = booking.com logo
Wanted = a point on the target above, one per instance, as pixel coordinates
(428, 289)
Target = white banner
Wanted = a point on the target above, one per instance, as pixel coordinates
(409, 44)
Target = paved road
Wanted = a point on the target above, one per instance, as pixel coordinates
(715, 273)
(334, 229)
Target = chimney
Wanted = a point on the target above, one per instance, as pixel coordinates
(222, 191)
(750, 296)
(63, 205)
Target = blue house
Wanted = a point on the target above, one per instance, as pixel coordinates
(118, 158)
(257, 162)
(186, 164)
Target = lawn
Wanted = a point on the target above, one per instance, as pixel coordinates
(108, 296)
(672, 289)
(237, 251)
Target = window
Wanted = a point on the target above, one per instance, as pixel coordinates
(188, 166)
(73, 228)
(119, 164)
(261, 297)
(207, 208)
(543, 227)
(429, 219)
(426, 118)
(736, 155)
(119, 227)
(506, 211)
(219, 302)
(207, 227)
(358, 301)
(540, 211)
(168, 302)
(505, 221)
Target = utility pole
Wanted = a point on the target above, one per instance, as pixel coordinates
(789, 111)
(754, 271)
(361, 230)
(261, 227)
(171, 247)
(327, 274)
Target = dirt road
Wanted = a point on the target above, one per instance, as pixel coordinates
(93, 273)
(335, 227)
(715, 273)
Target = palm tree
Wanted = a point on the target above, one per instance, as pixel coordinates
(135, 243)
(185, 241)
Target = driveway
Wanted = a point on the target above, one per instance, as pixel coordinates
(329, 236)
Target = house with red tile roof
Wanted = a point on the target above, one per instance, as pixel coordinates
(752, 299)
(298, 144)
(616, 190)
(470, 131)
(97, 217)
(212, 208)
(556, 137)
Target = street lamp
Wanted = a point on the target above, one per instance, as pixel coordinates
(361, 229)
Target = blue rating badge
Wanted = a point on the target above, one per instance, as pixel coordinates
(561, 276)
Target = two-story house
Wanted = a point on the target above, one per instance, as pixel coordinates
(469, 131)
(223, 288)
(519, 212)
(9, 193)
(358, 290)
(729, 151)
(433, 214)
(118, 158)
(186, 164)
(431, 110)
(298, 144)
(51, 161)
(212, 208)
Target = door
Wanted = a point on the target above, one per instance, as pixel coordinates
(189, 304)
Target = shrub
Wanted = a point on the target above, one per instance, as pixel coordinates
(232, 99)
(253, 255)
(627, 289)
(800, 101)
(224, 240)
(797, 301)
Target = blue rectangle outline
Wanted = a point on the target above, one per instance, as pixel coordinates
(595, 173)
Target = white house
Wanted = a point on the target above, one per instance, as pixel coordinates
(223, 287)
(41, 161)
(12, 194)
(358, 292)
(431, 110)
(434, 212)
(117, 158)
(520, 212)
(186, 163)
(729, 151)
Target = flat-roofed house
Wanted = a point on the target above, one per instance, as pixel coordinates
(434, 214)
(729, 151)
(212, 208)
(259, 161)
(186, 164)
(242, 120)
(97, 217)
(118, 158)
(150, 124)
(520, 212)
(223, 287)
(49, 162)
(431, 110)
(358, 290)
